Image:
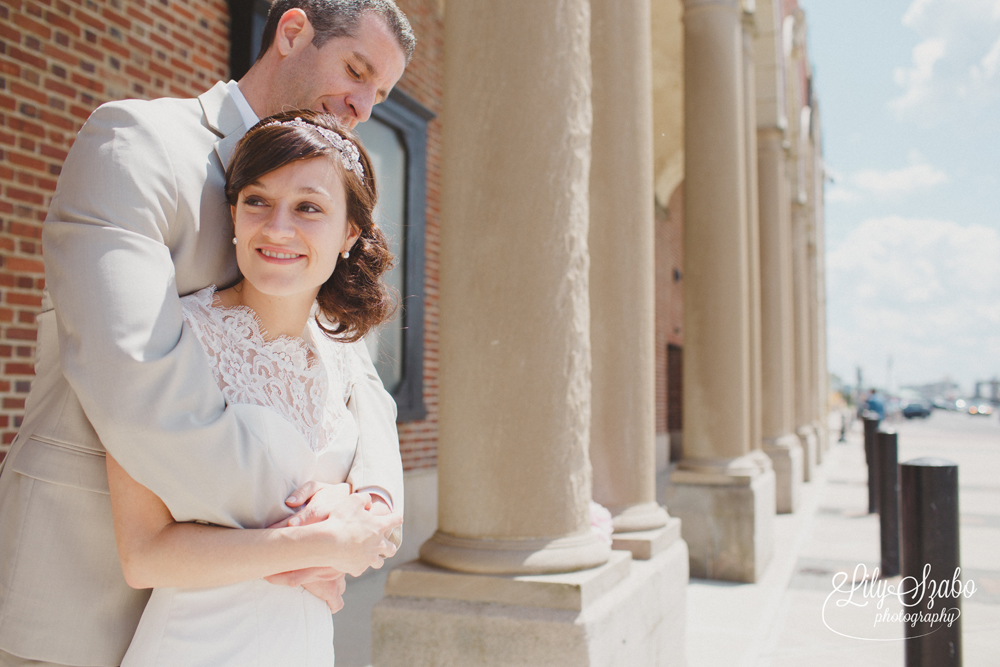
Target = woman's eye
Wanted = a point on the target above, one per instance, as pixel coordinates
(310, 208)
(253, 201)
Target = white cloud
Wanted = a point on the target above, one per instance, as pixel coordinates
(926, 292)
(916, 176)
(918, 80)
(952, 69)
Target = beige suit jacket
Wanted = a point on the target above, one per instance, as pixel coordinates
(138, 219)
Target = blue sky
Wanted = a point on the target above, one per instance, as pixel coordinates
(909, 94)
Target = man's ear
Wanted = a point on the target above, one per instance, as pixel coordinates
(294, 31)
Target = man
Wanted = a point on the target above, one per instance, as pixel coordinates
(139, 218)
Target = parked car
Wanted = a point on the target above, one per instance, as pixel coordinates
(917, 407)
(977, 406)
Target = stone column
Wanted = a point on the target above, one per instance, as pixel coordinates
(798, 116)
(753, 224)
(722, 493)
(514, 482)
(777, 335)
(803, 377)
(514, 575)
(823, 383)
(622, 307)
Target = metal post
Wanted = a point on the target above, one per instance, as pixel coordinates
(929, 513)
(871, 431)
(888, 497)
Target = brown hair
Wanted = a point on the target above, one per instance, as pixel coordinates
(339, 18)
(353, 299)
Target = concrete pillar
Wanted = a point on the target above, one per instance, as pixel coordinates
(622, 273)
(798, 116)
(514, 575)
(515, 397)
(753, 225)
(777, 335)
(723, 494)
(823, 384)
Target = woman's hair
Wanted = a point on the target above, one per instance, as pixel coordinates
(353, 299)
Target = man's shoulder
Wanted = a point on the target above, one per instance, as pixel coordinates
(162, 111)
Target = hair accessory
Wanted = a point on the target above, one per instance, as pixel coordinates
(345, 254)
(350, 156)
(234, 240)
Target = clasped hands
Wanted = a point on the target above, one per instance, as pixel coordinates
(360, 525)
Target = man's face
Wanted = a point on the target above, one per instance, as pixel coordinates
(347, 76)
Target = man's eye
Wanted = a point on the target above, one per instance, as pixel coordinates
(353, 72)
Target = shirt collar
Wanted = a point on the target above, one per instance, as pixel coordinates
(246, 111)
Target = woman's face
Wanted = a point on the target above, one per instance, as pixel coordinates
(291, 226)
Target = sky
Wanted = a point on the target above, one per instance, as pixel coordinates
(909, 95)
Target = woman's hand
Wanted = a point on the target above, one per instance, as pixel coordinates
(353, 538)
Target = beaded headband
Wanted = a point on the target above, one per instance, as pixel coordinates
(350, 156)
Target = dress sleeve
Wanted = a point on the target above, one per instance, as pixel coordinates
(139, 373)
(377, 463)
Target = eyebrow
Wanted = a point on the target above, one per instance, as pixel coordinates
(308, 189)
(370, 69)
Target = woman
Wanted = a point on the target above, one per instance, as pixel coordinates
(301, 191)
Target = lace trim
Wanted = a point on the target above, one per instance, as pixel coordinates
(287, 374)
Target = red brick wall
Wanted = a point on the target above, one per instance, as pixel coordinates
(59, 59)
(669, 295)
(423, 80)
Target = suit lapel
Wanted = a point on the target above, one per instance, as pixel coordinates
(223, 117)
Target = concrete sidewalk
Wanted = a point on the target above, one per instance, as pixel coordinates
(780, 620)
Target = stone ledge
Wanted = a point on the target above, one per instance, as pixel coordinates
(644, 544)
(570, 591)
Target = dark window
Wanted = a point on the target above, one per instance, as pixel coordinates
(675, 396)
(396, 139)
(246, 25)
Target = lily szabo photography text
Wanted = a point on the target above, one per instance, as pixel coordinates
(895, 602)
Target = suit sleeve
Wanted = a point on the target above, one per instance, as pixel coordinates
(377, 462)
(139, 373)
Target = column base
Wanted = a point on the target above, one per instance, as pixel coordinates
(645, 544)
(644, 516)
(785, 453)
(527, 556)
(822, 438)
(727, 520)
(807, 438)
(622, 613)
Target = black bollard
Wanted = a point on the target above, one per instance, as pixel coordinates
(871, 434)
(929, 514)
(888, 500)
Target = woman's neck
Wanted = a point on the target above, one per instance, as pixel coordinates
(278, 315)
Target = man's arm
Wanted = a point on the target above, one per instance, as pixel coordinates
(139, 374)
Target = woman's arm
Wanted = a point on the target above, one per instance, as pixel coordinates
(156, 551)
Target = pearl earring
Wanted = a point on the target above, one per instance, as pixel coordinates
(234, 240)
(345, 254)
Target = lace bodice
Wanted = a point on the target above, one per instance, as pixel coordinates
(308, 385)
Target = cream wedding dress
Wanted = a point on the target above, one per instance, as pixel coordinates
(254, 623)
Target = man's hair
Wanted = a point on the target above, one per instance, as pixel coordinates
(340, 18)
